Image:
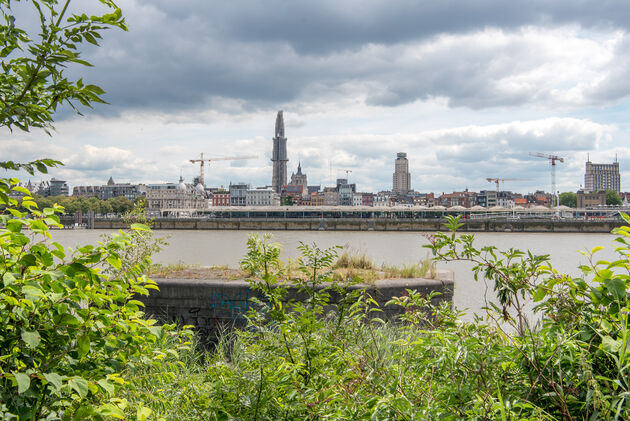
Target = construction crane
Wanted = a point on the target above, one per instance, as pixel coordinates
(497, 181)
(202, 162)
(552, 159)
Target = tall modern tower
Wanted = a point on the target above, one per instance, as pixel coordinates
(402, 177)
(598, 177)
(279, 156)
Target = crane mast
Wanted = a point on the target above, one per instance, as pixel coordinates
(552, 159)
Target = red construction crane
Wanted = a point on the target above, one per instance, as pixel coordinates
(500, 180)
(202, 162)
(552, 159)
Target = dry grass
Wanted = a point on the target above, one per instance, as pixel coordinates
(349, 267)
(186, 271)
(351, 260)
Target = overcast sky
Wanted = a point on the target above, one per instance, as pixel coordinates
(467, 88)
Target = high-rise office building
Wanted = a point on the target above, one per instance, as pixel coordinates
(600, 177)
(402, 177)
(279, 156)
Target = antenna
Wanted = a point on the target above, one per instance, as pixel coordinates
(331, 174)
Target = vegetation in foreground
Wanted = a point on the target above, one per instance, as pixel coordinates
(303, 361)
(76, 345)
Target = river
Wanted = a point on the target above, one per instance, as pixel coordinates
(391, 248)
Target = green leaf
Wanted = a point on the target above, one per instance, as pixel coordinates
(32, 339)
(107, 386)
(114, 261)
(83, 345)
(143, 413)
(8, 278)
(140, 227)
(596, 249)
(11, 300)
(157, 331)
(617, 287)
(54, 379)
(14, 225)
(610, 345)
(32, 292)
(110, 410)
(79, 385)
(540, 294)
(23, 382)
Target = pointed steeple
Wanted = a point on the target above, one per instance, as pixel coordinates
(110, 182)
(279, 155)
(279, 125)
(299, 168)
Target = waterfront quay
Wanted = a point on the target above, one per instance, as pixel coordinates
(341, 218)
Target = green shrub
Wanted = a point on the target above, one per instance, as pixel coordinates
(68, 330)
(310, 360)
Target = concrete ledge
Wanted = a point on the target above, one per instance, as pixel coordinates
(211, 305)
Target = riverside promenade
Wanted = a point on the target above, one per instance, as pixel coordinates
(349, 218)
(356, 224)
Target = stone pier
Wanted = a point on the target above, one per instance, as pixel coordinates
(211, 305)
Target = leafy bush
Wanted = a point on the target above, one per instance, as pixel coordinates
(311, 361)
(68, 331)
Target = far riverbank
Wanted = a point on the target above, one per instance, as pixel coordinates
(502, 224)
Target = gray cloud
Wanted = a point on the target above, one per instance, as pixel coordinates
(324, 26)
(191, 55)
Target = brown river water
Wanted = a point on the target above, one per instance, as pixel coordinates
(392, 248)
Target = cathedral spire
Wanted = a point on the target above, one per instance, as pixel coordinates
(279, 124)
(279, 156)
(299, 168)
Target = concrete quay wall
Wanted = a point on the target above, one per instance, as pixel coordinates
(212, 305)
(376, 224)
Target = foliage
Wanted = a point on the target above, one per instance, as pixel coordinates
(575, 362)
(286, 201)
(612, 198)
(71, 204)
(569, 359)
(33, 83)
(568, 199)
(68, 329)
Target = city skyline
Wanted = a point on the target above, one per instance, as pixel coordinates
(467, 95)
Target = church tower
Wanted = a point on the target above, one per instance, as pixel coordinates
(279, 156)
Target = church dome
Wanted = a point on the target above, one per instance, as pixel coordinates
(200, 189)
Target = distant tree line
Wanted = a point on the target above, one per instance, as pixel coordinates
(72, 204)
(570, 199)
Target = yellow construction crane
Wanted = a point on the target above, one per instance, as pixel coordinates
(202, 162)
(497, 181)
